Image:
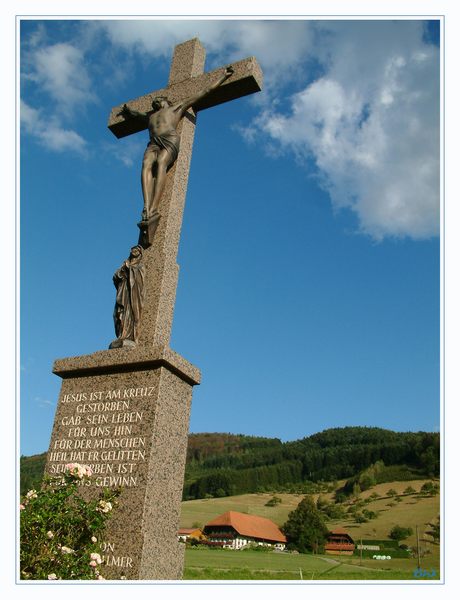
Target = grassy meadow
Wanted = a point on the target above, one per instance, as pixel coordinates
(229, 565)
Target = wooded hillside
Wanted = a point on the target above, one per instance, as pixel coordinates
(224, 464)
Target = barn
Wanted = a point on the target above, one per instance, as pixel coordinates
(186, 534)
(339, 541)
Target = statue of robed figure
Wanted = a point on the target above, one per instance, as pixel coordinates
(129, 283)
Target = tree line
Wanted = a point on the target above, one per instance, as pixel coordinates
(223, 464)
(333, 454)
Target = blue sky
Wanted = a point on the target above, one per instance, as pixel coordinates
(309, 259)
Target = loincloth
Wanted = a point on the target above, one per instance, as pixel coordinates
(166, 141)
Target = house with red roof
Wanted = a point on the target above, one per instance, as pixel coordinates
(339, 541)
(236, 530)
(186, 534)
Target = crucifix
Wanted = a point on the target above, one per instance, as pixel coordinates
(139, 391)
(170, 116)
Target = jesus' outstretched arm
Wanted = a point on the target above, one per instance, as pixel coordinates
(186, 104)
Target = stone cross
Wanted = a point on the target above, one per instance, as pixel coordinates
(186, 79)
(125, 411)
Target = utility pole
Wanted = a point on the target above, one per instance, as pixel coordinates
(418, 547)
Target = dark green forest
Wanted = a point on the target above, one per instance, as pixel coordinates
(220, 464)
(261, 464)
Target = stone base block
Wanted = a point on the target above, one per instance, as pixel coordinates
(128, 419)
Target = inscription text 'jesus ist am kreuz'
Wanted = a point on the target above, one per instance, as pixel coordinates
(103, 432)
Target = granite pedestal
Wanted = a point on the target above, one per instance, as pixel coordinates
(125, 413)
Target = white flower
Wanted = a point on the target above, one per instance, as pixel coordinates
(96, 557)
(94, 539)
(79, 471)
(52, 576)
(88, 470)
(66, 550)
(100, 577)
(104, 506)
(50, 535)
(31, 494)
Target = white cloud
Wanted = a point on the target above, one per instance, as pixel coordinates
(49, 132)
(128, 151)
(60, 70)
(43, 402)
(371, 125)
(369, 121)
(280, 46)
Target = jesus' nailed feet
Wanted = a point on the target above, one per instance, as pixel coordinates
(148, 226)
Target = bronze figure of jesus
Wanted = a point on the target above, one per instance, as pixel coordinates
(163, 146)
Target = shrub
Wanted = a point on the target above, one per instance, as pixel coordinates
(430, 488)
(435, 530)
(399, 533)
(366, 481)
(334, 511)
(370, 514)
(360, 518)
(340, 497)
(60, 531)
(273, 501)
(257, 547)
(321, 503)
(356, 489)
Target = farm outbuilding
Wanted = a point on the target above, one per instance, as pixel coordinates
(339, 541)
(186, 534)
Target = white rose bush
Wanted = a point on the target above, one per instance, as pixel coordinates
(61, 531)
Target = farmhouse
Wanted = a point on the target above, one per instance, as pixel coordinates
(339, 541)
(235, 530)
(186, 534)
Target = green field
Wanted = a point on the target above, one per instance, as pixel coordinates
(219, 564)
(412, 510)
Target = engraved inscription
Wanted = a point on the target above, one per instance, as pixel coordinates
(111, 559)
(104, 432)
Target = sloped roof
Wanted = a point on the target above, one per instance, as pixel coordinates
(341, 531)
(250, 526)
(185, 530)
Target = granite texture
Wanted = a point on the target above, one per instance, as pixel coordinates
(187, 61)
(131, 428)
(127, 359)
